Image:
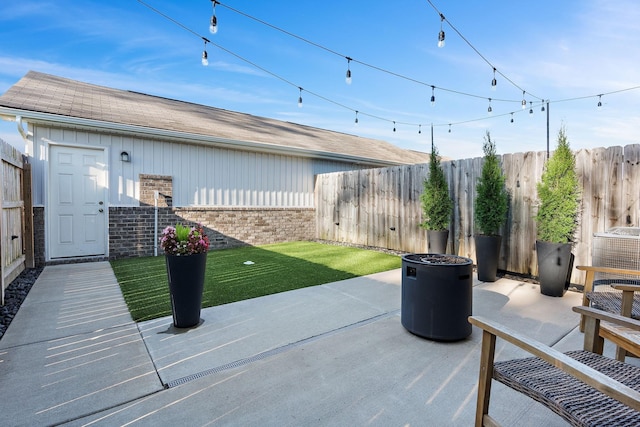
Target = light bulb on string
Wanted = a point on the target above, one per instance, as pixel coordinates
(599, 101)
(449, 127)
(419, 129)
(348, 77)
(511, 117)
(394, 126)
(433, 96)
(489, 110)
(494, 82)
(205, 56)
(441, 33)
(542, 109)
(300, 98)
(213, 23)
(356, 122)
(524, 101)
(530, 108)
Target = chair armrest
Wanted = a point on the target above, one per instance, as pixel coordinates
(610, 270)
(590, 376)
(608, 317)
(632, 288)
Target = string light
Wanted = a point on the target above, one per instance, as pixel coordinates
(441, 33)
(419, 129)
(213, 24)
(542, 109)
(599, 101)
(356, 117)
(433, 96)
(530, 108)
(205, 56)
(489, 110)
(394, 126)
(494, 82)
(511, 117)
(523, 103)
(348, 77)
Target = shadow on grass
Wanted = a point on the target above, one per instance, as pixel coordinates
(276, 268)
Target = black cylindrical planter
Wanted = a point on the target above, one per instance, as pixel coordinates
(555, 262)
(487, 256)
(186, 283)
(437, 296)
(437, 241)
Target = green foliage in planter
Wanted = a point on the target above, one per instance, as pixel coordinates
(558, 195)
(436, 203)
(492, 199)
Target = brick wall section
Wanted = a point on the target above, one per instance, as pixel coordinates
(38, 236)
(131, 229)
(151, 183)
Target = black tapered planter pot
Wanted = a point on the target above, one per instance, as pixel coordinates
(555, 262)
(437, 296)
(437, 241)
(487, 256)
(186, 283)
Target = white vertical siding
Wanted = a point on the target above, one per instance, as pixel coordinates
(202, 175)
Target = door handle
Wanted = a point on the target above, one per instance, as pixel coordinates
(100, 210)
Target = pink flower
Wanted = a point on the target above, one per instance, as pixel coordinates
(182, 240)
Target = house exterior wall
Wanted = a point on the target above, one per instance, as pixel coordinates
(132, 229)
(241, 197)
(202, 175)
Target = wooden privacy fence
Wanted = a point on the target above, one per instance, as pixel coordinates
(381, 207)
(16, 228)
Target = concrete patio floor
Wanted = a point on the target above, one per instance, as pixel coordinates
(329, 355)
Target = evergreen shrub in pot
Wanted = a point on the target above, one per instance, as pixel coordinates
(490, 212)
(436, 206)
(557, 218)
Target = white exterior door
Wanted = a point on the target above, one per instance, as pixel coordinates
(77, 206)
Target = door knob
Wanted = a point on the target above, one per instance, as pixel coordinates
(101, 210)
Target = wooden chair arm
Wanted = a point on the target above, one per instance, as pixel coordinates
(632, 288)
(611, 270)
(584, 373)
(608, 317)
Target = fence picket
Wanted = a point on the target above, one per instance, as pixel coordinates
(378, 199)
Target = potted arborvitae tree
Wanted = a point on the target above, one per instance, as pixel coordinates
(490, 212)
(436, 206)
(559, 201)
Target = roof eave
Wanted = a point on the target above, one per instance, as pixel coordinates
(193, 138)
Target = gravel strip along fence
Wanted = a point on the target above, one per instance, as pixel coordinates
(14, 294)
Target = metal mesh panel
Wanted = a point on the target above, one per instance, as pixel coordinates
(618, 247)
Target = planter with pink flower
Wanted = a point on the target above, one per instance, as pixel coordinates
(185, 251)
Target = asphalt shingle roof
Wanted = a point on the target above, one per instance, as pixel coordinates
(44, 93)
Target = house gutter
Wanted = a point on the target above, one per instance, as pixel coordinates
(91, 124)
(18, 120)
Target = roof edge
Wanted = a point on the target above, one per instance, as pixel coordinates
(49, 118)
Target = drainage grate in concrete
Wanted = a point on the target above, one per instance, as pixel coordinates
(276, 351)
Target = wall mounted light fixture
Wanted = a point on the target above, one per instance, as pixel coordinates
(124, 156)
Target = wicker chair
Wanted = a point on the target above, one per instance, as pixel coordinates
(583, 387)
(614, 290)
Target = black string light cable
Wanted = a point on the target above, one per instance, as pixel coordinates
(493, 82)
(350, 59)
(357, 112)
(253, 64)
(578, 98)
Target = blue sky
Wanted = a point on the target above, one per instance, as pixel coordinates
(554, 50)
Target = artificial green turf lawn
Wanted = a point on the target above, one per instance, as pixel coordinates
(278, 268)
